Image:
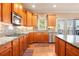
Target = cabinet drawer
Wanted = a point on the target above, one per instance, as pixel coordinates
(4, 47)
(72, 49)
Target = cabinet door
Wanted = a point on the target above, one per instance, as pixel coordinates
(16, 8)
(51, 20)
(16, 47)
(6, 12)
(31, 38)
(62, 47)
(57, 46)
(29, 18)
(7, 52)
(44, 36)
(24, 18)
(21, 45)
(0, 12)
(34, 21)
(71, 50)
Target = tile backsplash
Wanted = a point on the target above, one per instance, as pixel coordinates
(9, 29)
(6, 29)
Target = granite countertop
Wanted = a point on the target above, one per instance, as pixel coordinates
(4, 40)
(9, 38)
(72, 39)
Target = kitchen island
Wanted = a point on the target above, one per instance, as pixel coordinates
(67, 45)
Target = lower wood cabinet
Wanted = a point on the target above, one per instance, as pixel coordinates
(57, 46)
(21, 45)
(71, 50)
(6, 50)
(63, 48)
(16, 50)
(40, 37)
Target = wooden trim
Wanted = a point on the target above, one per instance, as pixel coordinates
(11, 12)
(1, 12)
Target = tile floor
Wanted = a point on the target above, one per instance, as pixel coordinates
(40, 49)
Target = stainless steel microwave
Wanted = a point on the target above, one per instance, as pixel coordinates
(16, 19)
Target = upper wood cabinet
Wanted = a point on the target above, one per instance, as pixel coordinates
(23, 20)
(34, 21)
(29, 18)
(6, 12)
(0, 11)
(17, 7)
(51, 20)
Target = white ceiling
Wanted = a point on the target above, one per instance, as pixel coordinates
(47, 7)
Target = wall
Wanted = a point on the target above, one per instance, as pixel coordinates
(67, 15)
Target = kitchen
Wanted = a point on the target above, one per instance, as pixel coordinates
(39, 29)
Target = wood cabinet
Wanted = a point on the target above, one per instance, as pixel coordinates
(0, 12)
(31, 37)
(34, 21)
(57, 45)
(21, 45)
(37, 37)
(45, 37)
(51, 20)
(6, 50)
(23, 20)
(29, 18)
(71, 50)
(6, 12)
(15, 44)
(40, 37)
(17, 7)
(62, 48)
(25, 42)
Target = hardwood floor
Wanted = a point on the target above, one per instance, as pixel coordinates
(40, 49)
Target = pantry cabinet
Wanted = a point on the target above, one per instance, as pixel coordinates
(6, 50)
(6, 12)
(51, 20)
(0, 12)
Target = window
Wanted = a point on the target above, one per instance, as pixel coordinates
(42, 22)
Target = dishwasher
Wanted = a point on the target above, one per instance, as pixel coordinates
(51, 36)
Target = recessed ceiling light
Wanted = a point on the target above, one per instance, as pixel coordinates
(33, 6)
(20, 7)
(54, 6)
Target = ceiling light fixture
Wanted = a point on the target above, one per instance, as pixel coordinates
(20, 7)
(33, 6)
(54, 6)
